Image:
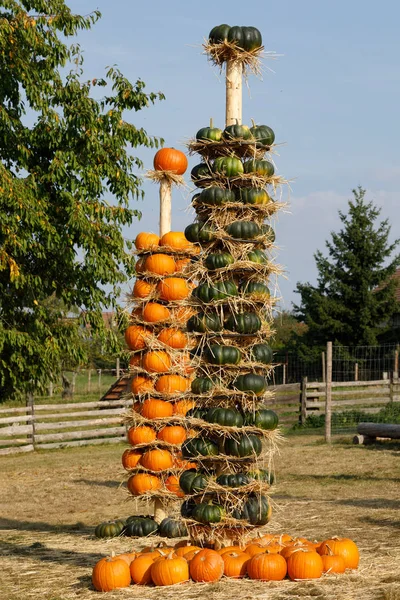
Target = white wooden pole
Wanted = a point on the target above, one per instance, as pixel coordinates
(165, 206)
(234, 77)
(328, 393)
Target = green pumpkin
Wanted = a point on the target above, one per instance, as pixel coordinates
(243, 230)
(218, 260)
(256, 510)
(198, 173)
(110, 529)
(218, 34)
(192, 481)
(199, 446)
(208, 513)
(262, 168)
(255, 288)
(203, 322)
(141, 527)
(269, 232)
(216, 196)
(257, 256)
(263, 135)
(263, 419)
(229, 417)
(230, 166)
(262, 353)
(172, 528)
(236, 132)
(246, 322)
(210, 133)
(201, 385)
(216, 354)
(233, 480)
(187, 507)
(196, 413)
(250, 382)
(199, 232)
(220, 290)
(262, 475)
(242, 446)
(251, 195)
(246, 38)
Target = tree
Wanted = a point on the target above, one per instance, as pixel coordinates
(286, 328)
(66, 180)
(354, 298)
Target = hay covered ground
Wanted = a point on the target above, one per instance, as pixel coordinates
(51, 501)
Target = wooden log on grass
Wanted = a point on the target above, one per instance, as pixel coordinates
(379, 430)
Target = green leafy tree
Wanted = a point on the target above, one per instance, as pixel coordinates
(354, 298)
(67, 175)
(286, 328)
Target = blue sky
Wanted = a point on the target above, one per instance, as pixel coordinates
(332, 99)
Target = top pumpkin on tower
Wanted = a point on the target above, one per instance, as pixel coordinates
(245, 38)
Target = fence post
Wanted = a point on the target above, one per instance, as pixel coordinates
(323, 367)
(283, 374)
(117, 369)
(30, 410)
(99, 378)
(89, 380)
(391, 386)
(50, 389)
(303, 400)
(396, 364)
(328, 392)
(356, 372)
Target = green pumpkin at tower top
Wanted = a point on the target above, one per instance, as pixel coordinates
(219, 34)
(211, 133)
(263, 135)
(236, 132)
(246, 37)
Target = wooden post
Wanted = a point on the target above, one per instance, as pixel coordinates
(391, 387)
(303, 400)
(356, 372)
(396, 364)
(99, 378)
(165, 206)
(30, 410)
(323, 367)
(117, 369)
(283, 374)
(234, 73)
(89, 380)
(328, 392)
(50, 389)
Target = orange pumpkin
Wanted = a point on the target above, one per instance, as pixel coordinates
(254, 549)
(185, 547)
(342, 547)
(155, 313)
(136, 337)
(173, 337)
(131, 458)
(156, 361)
(237, 549)
(160, 264)
(140, 483)
(267, 567)
(169, 570)
(158, 459)
(304, 564)
(176, 240)
(140, 568)
(169, 384)
(207, 565)
(156, 409)
(173, 288)
(181, 264)
(128, 557)
(141, 385)
(135, 360)
(143, 289)
(140, 265)
(235, 564)
(172, 434)
(146, 241)
(333, 563)
(110, 573)
(172, 484)
(182, 463)
(170, 159)
(141, 435)
(183, 406)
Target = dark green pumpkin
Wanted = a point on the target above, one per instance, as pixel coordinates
(257, 256)
(230, 166)
(217, 354)
(229, 417)
(246, 322)
(256, 288)
(203, 322)
(256, 510)
(263, 419)
(141, 527)
(263, 135)
(199, 446)
(259, 167)
(242, 446)
(250, 382)
(216, 196)
(236, 132)
(208, 513)
(219, 34)
(233, 480)
(243, 230)
(210, 133)
(192, 481)
(269, 232)
(187, 507)
(198, 173)
(252, 195)
(199, 232)
(172, 528)
(247, 38)
(110, 529)
(262, 475)
(262, 353)
(201, 385)
(196, 413)
(220, 290)
(218, 260)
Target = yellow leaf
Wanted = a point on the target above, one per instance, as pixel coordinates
(35, 302)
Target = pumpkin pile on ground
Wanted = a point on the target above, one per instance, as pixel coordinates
(266, 558)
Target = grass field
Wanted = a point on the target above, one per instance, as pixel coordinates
(52, 500)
